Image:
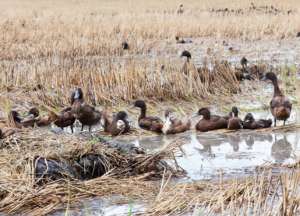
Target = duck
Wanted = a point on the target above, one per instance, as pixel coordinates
(280, 105)
(65, 118)
(85, 113)
(173, 125)
(125, 45)
(186, 54)
(117, 125)
(77, 96)
(151, 123)
(180, 9)
(31, 118)
(250, 123)
(15, 118)
(28, 121)
(210, 122)
(234, 122)
(244, 63)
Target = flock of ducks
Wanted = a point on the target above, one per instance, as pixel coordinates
(118, 123)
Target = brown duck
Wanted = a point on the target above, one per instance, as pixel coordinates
(150, 123)
(280, 105)
(173, 125)
(234, 122)
(117, 125)
(210, 122)
(27, 121)
(250, 123)
(31, 118)
(85, 113)
(65, 118)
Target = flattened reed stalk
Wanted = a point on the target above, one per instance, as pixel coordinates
(107, 82)
(128, 174)
(264, 194)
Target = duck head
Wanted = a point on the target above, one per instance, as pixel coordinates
(186, 54)
(140, 104)
(235, 111)
(244, 62)
(204, 112)
(270, 76)
(122, 115)
(34, 111)
(249, 118)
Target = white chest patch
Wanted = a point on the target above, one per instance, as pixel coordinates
(167, 125)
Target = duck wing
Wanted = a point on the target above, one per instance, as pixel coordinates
(151, 123)
(279, 101)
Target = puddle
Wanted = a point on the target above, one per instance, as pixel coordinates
(101, 207)
(207, 155)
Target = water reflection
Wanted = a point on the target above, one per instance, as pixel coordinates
(205, 154)
(281, 150)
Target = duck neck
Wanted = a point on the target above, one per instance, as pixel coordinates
(143, 112)
(277, 91)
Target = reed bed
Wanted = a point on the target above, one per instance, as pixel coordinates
(105, 82)
(47, 45)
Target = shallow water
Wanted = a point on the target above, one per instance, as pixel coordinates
(101, 207)
(206, 156)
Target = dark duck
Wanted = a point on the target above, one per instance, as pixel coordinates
(234, 122)
(280, 105)
(65, 118)
(250, 122)
(173, 125)
(186, 54)
(117, 125)
(85, 113)
(28, 121)
(150, 123)
(210, 122)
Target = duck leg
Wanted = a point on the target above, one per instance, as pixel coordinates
(90, 128)
(284, 122)
(274, 122)
(82, 127)
(72, 128)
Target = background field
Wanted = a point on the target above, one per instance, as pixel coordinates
(63, 44)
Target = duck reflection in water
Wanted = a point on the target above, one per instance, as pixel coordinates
(234, 140)
(281, 150)
(208, 143)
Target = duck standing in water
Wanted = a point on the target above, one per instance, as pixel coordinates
(173, 125)
(234, 122)
(119, 124)
(210, 122)
(250, 123)
(280, 105)
(150, 123)
(86, 114)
